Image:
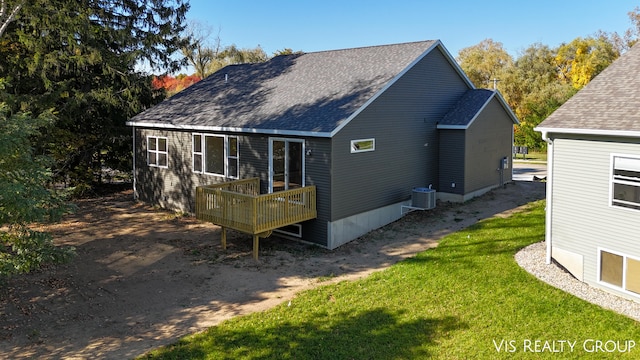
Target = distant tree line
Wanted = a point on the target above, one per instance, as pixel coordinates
(542, 78)
(206, 56)
(207, 60)
(174, 84)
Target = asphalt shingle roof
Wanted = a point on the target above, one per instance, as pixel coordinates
(313, 92)
(467, 108)
(609, 103)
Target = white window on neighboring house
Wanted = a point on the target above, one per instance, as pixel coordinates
(157, 151)
(363, 145)
(216, 155)
(625, 182)
(619, 271)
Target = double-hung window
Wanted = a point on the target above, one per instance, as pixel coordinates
(157, 151)
(215, 155)
(625, 182)
(197, 153)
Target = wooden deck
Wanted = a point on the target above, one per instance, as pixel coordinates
(239, 205)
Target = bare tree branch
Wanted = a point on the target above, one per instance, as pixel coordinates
(6, 19)
(201, 53)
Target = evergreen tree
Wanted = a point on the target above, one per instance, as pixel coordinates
(25, 197)
(81, 58)
(75, 65)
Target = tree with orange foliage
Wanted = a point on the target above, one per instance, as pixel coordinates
(173, 85)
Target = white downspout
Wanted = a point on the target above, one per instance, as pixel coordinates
(549, 198)
(135, 190)
(513, 141)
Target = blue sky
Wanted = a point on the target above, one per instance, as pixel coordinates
(330, 24)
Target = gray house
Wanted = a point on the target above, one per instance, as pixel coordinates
(363, 126)
(593, 186)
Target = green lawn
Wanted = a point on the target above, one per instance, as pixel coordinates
(533, 156)
(465, 299)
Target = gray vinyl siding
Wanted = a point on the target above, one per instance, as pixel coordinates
(452, 160)
(174, 187)
(161, 186)
(402, 120)
(318, 173)
(488, 140)
(582, 219)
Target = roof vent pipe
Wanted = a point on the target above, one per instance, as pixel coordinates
(226, 78)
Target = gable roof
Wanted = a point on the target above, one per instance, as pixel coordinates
(608, 105)
(470, 105)
(312, 94)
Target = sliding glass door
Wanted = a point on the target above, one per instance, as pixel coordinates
(286, 164)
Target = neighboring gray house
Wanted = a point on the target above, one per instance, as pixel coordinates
(365, 126)
(593, 180)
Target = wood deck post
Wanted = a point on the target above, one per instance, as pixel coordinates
(256, 240)
(224, 238)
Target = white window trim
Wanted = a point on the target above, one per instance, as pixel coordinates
(271, 166)
(624, 271)
(227, 148)
(226, 155)
(157, 151)
(194, 153)
(613, 180)
(355, 150)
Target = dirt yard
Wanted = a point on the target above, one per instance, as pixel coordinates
(143, 278)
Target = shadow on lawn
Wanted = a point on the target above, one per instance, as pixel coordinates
(338, 336)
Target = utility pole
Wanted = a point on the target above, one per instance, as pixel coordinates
(495, 83)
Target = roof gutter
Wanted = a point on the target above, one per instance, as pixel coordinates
(159, 125)
(620, 133)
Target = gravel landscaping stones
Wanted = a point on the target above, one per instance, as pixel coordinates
(532, 259)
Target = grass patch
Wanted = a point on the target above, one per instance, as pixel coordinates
(465, 299)
(533, 156)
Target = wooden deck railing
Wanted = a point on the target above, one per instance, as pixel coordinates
(238, 205)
